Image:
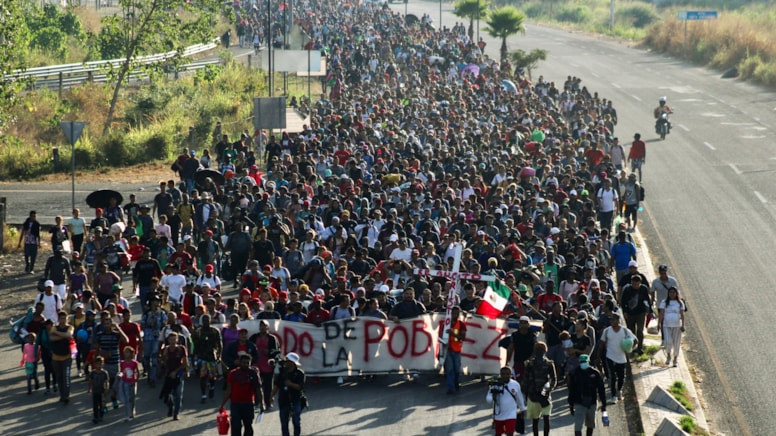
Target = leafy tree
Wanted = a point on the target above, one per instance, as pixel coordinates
(155, 26)
(503, 23)
(14, 39)
(529, 61)
(471, 9)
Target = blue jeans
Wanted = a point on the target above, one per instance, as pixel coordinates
(295, 411)
(177, 397)
(151, 356)
(143, 295)
(30, 254)
(453, 370)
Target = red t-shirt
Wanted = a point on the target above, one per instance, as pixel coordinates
(637, 150)
(595, 156)
(342, 156)
(242, 386)
(132, 330)
(546, 301)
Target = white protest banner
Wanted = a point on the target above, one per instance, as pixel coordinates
(374, 346)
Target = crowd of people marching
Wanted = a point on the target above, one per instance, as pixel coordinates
(411, 152)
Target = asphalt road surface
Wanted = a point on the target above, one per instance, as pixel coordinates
(709, 214)
(710, 201)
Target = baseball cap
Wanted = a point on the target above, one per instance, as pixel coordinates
(209, 268)
(525, 318)
(48, 283)
(584, 358)
(632, 263)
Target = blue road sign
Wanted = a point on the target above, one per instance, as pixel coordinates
(697, 15)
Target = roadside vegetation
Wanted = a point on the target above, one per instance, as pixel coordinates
(153, 120)
(743, 37)
(679, 390)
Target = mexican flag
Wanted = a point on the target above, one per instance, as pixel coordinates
(495, 300)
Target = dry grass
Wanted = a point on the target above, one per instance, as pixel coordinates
(743, 39)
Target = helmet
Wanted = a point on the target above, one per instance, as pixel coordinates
(662, 99)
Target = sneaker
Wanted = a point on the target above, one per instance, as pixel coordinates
(340, 380)
(55, 389)
(175, 418)
(115, 405)
(675, 363)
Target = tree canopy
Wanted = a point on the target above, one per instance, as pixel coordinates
(503, 23)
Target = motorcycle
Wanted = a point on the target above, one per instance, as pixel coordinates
(663, 126)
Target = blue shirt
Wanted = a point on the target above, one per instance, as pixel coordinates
(623, 252)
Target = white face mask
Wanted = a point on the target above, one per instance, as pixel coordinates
(584, 365)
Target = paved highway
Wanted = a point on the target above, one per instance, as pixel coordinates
(710, 201)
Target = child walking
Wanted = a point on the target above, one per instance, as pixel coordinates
(30, 359)
(127, 383)
(98, 385)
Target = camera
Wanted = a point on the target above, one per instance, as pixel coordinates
(496, 386)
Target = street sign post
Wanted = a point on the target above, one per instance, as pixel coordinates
(73, 130)
(697, 15)
(694, 16)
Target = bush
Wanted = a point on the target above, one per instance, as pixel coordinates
(52, 40)
(637, 15)
(573, 14)
(117, 149)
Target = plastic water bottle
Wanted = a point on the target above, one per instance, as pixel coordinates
(545, 389)
(605, 418)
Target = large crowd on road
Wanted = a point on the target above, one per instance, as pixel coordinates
(421, 143)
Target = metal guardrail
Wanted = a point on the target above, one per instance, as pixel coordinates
(91, 67)
(73, 81)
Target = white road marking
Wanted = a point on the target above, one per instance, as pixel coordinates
(713, 115)
(636, 97)
(753, 136)
(760, 197)
(711, 147)
(616, 85)
(683, 127)
(735, 169)
(574, 65)
(735, 124)
(595, 75)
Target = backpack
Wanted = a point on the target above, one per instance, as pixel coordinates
(18, 333)
(57, 298)
(351, 311)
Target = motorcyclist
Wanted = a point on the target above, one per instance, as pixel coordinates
(661, 114)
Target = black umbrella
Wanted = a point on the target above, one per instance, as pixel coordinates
(215, 176)
(102, 198)
(411, 19)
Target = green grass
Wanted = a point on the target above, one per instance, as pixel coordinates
(679, 390)
(688, 424)
(649, 352)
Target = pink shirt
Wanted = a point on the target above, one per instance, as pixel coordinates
(30, 353)
(129, 371)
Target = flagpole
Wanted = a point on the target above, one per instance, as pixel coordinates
(454, 286)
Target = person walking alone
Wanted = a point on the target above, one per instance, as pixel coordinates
(671, 323)
(585, 384)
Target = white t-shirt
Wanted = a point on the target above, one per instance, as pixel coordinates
(607, 199)
(613, 340)
(404, 255)
(174, 284)
(51, 305)
(672, 317)
(507, 402)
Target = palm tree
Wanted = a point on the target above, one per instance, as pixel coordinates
(471, 9)
(503, 23)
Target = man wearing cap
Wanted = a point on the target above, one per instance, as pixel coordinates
(636, 303)
(289, 385)
(585, 384)
(52, 303)
(145, 270)
(622, 253)
(244, 391)
(631, 196)
(152, 322)
(508, 403)
(268, 348)
(207, 352)
(521, 345)
(662, 284)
